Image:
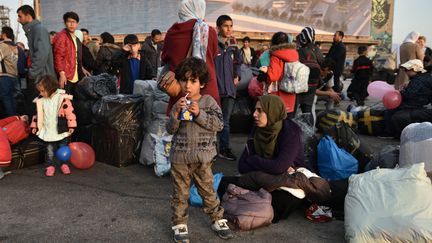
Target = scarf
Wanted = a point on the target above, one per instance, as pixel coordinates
(412, 37)
(307, 35)
(265, 138)
(195, 9)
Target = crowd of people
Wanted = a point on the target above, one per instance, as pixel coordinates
(206, 62)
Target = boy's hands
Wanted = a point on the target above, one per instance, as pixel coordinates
(180, 104)
(194, 108)
(34, 130)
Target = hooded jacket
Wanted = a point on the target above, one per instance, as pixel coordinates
(280, 54)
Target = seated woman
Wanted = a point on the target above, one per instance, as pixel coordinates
(273, 151)
(275, 143)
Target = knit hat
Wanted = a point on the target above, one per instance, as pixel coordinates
(307, 35)
(415, 64)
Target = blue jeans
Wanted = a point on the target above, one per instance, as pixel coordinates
(7, 90)
(51, 148)
(227, 104)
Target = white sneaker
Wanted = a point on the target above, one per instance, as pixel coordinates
(181, 233)
(221, 228)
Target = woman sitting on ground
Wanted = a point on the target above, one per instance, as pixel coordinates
(274, 147)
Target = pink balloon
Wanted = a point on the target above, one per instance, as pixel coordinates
(392, 99)
(83, 156)
(377, 89)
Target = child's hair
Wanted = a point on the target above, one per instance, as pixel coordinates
(221, 19)
(193, 67)
(361, 50)
(49, 83)
(279, 38)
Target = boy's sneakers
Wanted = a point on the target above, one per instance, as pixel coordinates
(50, 171)
(221, 228)
(181, 233)
(65, 169)
(227, 154)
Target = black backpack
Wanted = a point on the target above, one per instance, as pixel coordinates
(346, 138)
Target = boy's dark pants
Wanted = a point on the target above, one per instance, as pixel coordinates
(201, 173)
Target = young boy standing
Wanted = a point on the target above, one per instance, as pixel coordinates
(195, 119)
(362, 69)
(227, 64)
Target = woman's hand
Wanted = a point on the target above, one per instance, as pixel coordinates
(34, 130)
(290, 170)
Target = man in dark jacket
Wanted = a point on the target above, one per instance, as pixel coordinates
(415, 97)
(152, 48)
(337, 53)
(227, 64)
(132, 63)
(89, 63)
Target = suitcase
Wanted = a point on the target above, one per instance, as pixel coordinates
(27, 153)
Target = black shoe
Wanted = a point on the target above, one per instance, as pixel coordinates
(227, 154)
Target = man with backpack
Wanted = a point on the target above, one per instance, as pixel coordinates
(8, 71)
(311, 56)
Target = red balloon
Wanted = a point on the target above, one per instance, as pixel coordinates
(83, 155)
(392, 99)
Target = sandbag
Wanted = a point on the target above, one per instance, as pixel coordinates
(371, 121)
(241, 118)
(335, 163)
(327, 119)
(416, 145)
(389, 205)
(246, 209)
(346, 138)
(195, 199)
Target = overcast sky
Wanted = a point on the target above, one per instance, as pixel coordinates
(410, 15)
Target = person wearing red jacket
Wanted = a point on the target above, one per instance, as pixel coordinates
(68, 54)
(177, 42)
(279, 54)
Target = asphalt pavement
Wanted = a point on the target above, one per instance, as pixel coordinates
(131, 204)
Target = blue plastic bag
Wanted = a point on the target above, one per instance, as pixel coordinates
(195, 199)
(335, 163)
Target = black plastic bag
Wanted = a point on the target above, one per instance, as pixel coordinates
(83, 111)
(119, 112)
(241, 118)
(104, 84)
